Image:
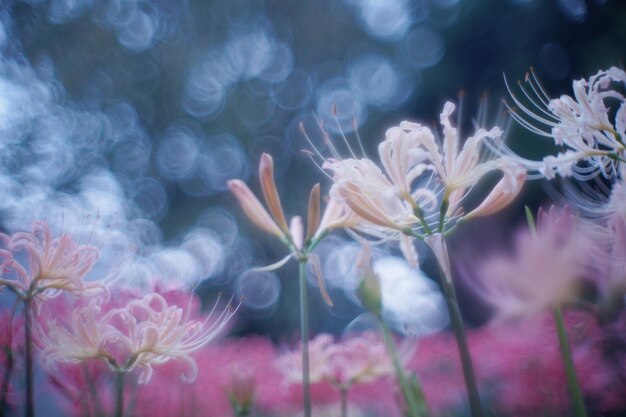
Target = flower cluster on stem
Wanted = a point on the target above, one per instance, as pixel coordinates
(589, 128)
(273, 221)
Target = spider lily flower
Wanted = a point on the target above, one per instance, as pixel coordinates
(369, 193)
(274, 221)
(54, 265)
(359, 359)
(336, 215)
(546, 269)
(144, 333)
(86, 337)
(591, 138)
(253, 208)
(424, 183)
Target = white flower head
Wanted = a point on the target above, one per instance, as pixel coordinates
(425, 180)
(589, 128)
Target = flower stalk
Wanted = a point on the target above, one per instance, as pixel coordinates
(566, 354)
(301, 245)
(343, 395)
(120, 375)
(411, 392)
(438, 245)
(6, 379)
(304, 334)
(570, 370)
(10, 360)
(30, 370)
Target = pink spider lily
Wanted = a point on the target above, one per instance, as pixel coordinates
(546, 269)
(143, 333)
(586, 127)
(358, 359)
(53, 265)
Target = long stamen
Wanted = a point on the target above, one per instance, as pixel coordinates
(459, 111)
(525, 110)
(306, 135)
(541, 106)
(539, 85)
(310, 155)
(358, 137)
(482, 110)
(328, 141)
(343, 135)
(539, 92)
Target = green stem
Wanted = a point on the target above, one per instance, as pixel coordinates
(404, 384)
(304, 331)
(119, 393)
(440, 250)
(463, 348)
(419, 213)
(6, 380)
(570, 370)
(442, 214)
(343, 394)
(28, 330)
(93, 393)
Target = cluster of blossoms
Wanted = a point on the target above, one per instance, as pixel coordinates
(144, 332)
(520, 365)
(590, 127)
(424, 184)
(549, 266)
(359, 359)
(53, 266)
(85, 329)
(138, 332)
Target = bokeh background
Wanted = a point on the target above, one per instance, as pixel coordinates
(122, 120)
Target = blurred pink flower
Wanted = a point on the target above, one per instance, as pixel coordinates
(359, 366)
(358, 359)
(610, 236)
(545, 269)
(54, 265)
(142, 333)
(222, 365)
(11, 348)
(83, 389)
(519, 367)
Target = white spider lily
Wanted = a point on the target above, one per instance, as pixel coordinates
(369, 193)
(420, 177)
(592, 140)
